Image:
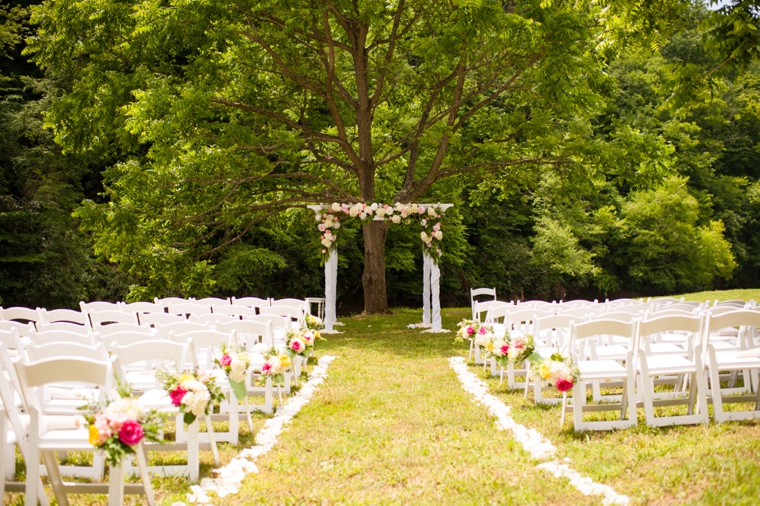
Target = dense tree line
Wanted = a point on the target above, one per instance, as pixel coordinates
(599, 172)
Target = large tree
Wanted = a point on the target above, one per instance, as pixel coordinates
(226, 112)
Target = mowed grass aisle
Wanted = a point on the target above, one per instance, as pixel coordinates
(392, 425)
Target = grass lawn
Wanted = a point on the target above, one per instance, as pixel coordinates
(391, 424)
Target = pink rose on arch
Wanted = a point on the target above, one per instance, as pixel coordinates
(226, 360)
(563, 385)
(131, 432)
(176, 395)
(321, 227)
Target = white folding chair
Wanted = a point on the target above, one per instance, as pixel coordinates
(606, 371)
(34, 378)
(743, 358)
(481, 295)
(551, 334)
(296, 315)
(668, 368)
(102, 317)
(187, 308)
(235, 310)
(63, 315)
(156, 319)
(253, 302)
(214, 301)
(19, 314)
(212, 319)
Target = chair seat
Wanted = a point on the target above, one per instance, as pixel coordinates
(77, 439)
(600, 369)
(666, 349)
(671, 364)
(732, 359)
(611, 352)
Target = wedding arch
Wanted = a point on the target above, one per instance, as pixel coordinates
(426, 216)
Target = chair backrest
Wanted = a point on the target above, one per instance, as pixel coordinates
(664, 301)
(35, 352)
(99, 317)
(480, 309)
(62, 336)
(63, 326)
(19, 314)
(164, 329)
(35, 376)
(205, 343)
(63, 316)
(690, 324)
(743, 319)
(581, 311)
(578, 303)
(98, 305)
(250, 332)
(160, 354)
(294, 313)
(554, 330)
(482, 294)
(235, 310)
(581, 332)
(112, 328)
(214, 301)
(624, 316)
(278, 322)
(254, 302)
(294, 303)
(623, 302)
(188, 308)
(141, 307)
(211, 319)
(7, 325)
(156, 319)
(127, 337)
(165, 301)
(535, 304)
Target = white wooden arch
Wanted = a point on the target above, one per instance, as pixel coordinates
(425, 215)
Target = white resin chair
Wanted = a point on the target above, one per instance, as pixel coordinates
(236, 310)
(481, 295)
(744, 359)
(100, 317)
(212, 319)
(605, 371)
(98, 305)
(34, 378)
(254, 302)
(156, 319)
(668, 368)
(188, 308)
(19, 314)
(63, 315)
(551, 334)
(296, 315)
(214, 301)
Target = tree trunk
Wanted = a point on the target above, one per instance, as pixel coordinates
(373, 279)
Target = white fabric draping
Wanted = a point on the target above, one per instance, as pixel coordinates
(435, 289)
(331, 287)
(427, 260)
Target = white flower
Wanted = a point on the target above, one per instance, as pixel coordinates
(328, 223)
(424, 236)
(196, 401)
(336, 207)
(362, 216)
(431, 211)
(380, 212)
(423, 222)
(336, 225)
(396, 219)
(438, 235)
(374, 206)
(128, 407)
(327, 243)
(498, 344)
(319, 216)
(353, 212)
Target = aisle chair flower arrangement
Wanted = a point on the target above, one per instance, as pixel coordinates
(235, 362)
(118, 428)
(476, 333)
(556, 371)
(277, 365)
(510, 350)
(195, 393)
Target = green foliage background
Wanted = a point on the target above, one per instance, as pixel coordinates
(657, 192)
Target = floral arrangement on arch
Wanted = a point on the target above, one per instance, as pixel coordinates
(555, 370)
(235, 363)
(428, 216)
(194, 393)
(121, 426)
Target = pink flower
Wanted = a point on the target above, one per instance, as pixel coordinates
(470, 329)
(266, 368)
(505, 349)
(563, 385)
(321, 227)
(226, 360)
(482, 331)
(324, 251)
(295, 345)
(131, 432)
(103, 426)
(176, 395)
(519, 343)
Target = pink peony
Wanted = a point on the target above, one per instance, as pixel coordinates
(226, 360)
(131, 432)
(563, 385)
(177, 394)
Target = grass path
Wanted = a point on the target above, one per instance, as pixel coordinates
(392, 425)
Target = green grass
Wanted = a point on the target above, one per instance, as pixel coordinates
(392, 425)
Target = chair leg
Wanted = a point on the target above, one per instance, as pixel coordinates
(142, 464)
(56, 481)
(116, 486)
(32, 473)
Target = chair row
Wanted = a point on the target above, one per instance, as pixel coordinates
(651, 360)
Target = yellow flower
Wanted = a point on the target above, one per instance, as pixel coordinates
(94, 436)
(545, 369)
(489, 346)
(284, 361)
(316, 334)
(186, 377)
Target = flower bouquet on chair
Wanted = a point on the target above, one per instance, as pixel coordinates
(313, 322)
(557, 371)
(468, 329)
(520, 348)
(235, 363)
(277, 365)
(194, 393)
(121, 426)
